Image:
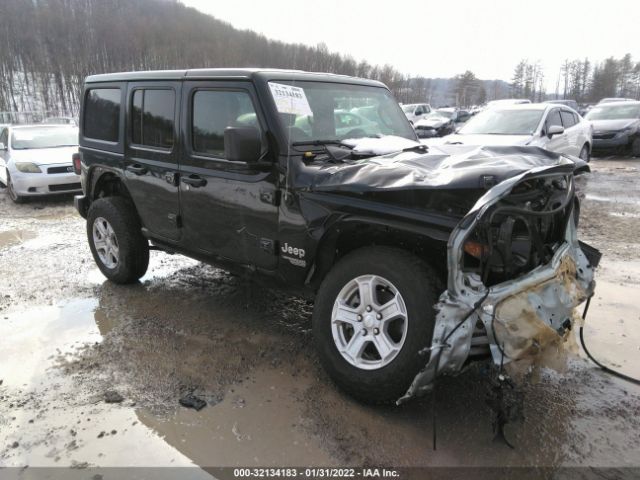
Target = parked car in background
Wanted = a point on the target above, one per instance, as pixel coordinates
(60, 121)
(616, 127)
(37, 160)
(416, 111)
(507, 101)
(615, 100)
(436, 124)
(347, 124)
(554, 127)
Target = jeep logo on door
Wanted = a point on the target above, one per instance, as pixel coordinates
(298, 252)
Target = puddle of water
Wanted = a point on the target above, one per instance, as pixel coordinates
(9, 238)
(41, 409)
(625, 214)
(613, 199)
(259, 424)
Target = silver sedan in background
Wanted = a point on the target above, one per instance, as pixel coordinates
(557, 128)
(37, 160)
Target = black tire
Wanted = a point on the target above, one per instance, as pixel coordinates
(416, 282)
(12, 193)
(133, 248)
(585, 154)
(635, 148)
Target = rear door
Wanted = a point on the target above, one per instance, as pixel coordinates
(152, 152)
(229, 209)
(572, 131)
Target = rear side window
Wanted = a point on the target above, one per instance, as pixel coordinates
(213, 111)
(102, 114)
(568, 119)
(152, 114)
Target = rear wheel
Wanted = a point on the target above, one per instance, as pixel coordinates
(635, 147)
(585, 154)
(373, 314)
(12, 191)
(116, 241)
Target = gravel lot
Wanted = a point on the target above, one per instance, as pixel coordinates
(69, 337)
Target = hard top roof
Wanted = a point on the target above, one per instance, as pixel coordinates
(264, 74)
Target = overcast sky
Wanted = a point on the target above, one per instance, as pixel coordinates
(445, 37)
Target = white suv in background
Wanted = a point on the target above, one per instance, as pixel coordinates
(557, 128)
(416, 111)
(37, 160)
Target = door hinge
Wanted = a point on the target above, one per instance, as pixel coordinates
(175, 219)
(171, 178)
(270, 197)
(268, 245)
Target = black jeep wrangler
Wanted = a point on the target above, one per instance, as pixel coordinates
(417, 260)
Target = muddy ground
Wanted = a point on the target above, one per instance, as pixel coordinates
(67, 337)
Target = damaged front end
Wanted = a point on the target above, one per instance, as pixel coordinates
(517, 272)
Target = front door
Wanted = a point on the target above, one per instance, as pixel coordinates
(151, 160)
(558, 143)
(228, 209)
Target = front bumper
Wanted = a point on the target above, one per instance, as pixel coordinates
(614, 143)
(44, 183)
(521, 318)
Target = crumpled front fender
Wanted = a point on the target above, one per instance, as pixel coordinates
(522, 317)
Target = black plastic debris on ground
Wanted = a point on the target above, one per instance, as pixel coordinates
(113, 397)
(191, 401)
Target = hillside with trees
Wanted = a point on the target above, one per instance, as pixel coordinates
(50, 46)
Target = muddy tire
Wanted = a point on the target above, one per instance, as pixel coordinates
(12, 192)
(116, 241)
(369, 342)
(585, 154)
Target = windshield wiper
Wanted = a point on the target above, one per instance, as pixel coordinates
(319, 143)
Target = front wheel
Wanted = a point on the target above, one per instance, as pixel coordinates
(12, 191)
(373, 314)
(116, 241)
(585, 154)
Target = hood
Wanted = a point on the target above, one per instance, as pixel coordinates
(444, 167)
(488, 139)
(433, 122)
(45, 156)
(609, 125)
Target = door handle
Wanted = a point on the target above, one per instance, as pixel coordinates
(137, 169)
(194, 180)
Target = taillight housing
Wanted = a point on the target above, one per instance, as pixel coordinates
(77, 163)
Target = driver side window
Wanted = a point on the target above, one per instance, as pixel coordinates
(212, 112)
(553, 119)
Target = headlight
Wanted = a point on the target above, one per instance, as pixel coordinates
(627, 131)
(28, 167)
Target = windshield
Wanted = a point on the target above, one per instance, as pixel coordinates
(503, 122)
(43, 137)
(324, 111)
(614, 112)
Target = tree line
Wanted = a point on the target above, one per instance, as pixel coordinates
(581, 80)
(50, 46)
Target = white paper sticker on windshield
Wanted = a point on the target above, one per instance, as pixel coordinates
(290, 99)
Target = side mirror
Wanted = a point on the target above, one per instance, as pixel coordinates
(555, 130)
(242, 144)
